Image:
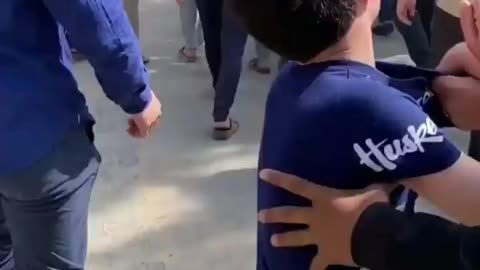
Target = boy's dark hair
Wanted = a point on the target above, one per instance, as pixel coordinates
(296, 29)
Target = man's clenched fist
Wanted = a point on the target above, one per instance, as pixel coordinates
(141, 124)
(406, 10)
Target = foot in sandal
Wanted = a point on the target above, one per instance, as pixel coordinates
(255, 66)
(187, 55)
(225, 130)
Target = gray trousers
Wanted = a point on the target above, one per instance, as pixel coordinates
(191, 26)
(131, 7)
(44, 209)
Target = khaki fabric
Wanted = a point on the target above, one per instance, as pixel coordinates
(450, 6)
(131, 7)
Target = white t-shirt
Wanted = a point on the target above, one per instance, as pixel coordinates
(450, 6)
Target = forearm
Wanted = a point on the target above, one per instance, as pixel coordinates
(386, 239)
(101, 30)
(459, 98)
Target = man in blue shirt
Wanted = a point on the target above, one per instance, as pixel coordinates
(343, 121)
(48, 162)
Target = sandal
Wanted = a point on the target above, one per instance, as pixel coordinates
(145, 60)
(223, 134)
(77, 56)
(253, 65)
(182, 56)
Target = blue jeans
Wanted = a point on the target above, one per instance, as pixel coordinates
(233, 40)
(44, 209)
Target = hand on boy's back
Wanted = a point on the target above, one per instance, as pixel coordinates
(331, 219)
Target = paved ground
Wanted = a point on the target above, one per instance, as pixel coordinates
(178, 201)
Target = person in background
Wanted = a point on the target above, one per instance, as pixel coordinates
(191, 29)
(210, 12)
(414, 21)
(446, 28)
(131, 7)
(225, 41)
(384, 25)
(260, 63)
(233, 41)
(48, 161)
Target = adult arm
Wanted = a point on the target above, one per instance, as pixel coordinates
(460, 99)
(403, 143)
(454, 190)
(100, 29)
(386, 239)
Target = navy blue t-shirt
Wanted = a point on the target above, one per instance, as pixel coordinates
(346, 125)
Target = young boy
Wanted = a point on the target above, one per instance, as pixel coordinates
(338, 116)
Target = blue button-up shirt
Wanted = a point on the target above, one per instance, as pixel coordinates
(39, 97)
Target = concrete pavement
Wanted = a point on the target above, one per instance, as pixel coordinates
(179, 200)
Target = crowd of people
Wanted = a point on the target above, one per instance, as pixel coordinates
(365, 134)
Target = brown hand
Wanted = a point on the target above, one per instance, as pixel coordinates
(460, 98)
(330, 220)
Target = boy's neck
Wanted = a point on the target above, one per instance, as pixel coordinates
(357, 46)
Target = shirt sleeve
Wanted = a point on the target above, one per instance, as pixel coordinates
(424, 96)
(101, 30)
(400, 140)
(372, 136)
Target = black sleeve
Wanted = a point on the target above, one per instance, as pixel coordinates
(434, 108)
(386, 239)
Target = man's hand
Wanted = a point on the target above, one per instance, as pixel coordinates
(460, 98)
(406, 10)
(330, 220)
(460, 60)
(464, 58)
(140, 125)
(470, 21)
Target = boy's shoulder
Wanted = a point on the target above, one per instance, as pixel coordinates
(344, 125)
(339, 89)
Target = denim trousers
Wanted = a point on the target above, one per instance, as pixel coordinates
(44, 209)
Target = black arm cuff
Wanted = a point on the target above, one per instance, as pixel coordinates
(386, 239)
(470, 251)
